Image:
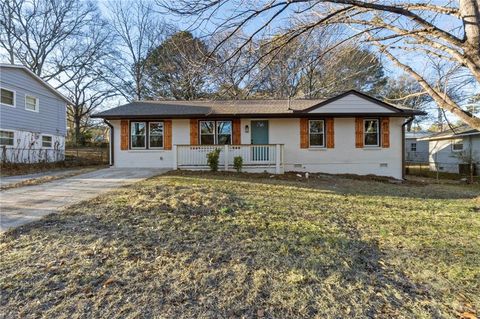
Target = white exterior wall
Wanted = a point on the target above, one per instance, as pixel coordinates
(150, 158)
(443, 159)
(350, 104)
(343, 159)
(27, 148)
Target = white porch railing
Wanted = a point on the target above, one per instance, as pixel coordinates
(254, 156)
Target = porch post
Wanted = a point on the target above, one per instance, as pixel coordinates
(277, 158)
(175, 164)
(226, 157)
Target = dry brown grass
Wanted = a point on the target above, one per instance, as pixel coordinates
(202, 245)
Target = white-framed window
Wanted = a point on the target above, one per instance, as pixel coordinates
(47, 141)
(155, 134)
(316, 133)
(7, 97)
(7, 138)
(457, 145)
(215, 132)
(371, 132)
(31, 103)
(413, 147)
(138, 135)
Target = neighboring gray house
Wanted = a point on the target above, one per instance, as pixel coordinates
(453, 150)
(416, 150)
(33, 117)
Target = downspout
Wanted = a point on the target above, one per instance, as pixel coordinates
(403, 145)
(111, 144)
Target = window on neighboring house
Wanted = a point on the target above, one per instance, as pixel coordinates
(31, 103)
(413, 147)
(46, 141)
(316, 133)
(155, 135)
(215, 132)
(138, 135)
(6, 138)
(7, 97)
(371, 134)
(457, 145)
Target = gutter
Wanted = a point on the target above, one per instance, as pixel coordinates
(111, 144)
(403, 145)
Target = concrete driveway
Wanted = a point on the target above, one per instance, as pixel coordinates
(21, 205)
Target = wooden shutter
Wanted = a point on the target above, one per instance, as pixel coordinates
(303, 133)
(330, 133)
(358, 132)
(385, 131)
(236, 129)
(167, 134)
(193, 132)
(124, 135)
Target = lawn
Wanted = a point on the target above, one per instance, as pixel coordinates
(201, 245)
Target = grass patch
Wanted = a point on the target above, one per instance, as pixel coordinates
(237, 245)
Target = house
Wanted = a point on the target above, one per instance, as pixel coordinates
(32, 117)
(351, 133)
(416, 149)
(454, 150)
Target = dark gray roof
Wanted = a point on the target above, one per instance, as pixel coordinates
(456, 132)
(230, 108)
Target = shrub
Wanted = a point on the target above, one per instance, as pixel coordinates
(238, 163)
(212, 159)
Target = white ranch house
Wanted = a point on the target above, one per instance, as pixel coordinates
(349, 134)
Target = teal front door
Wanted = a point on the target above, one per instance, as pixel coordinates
(259, 136)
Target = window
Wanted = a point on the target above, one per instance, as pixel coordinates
(215, 132)
(224, 132)
(31, 103)
(137, 134)
(7, 97)
(316, 133)
(457, 145)
(413, 147)
(6, 138)
(155, 134)
(46, 141)
(371, 134)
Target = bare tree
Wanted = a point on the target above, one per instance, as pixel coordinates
(43, 34)
(395, 29)
(138, 30)
(89, 86)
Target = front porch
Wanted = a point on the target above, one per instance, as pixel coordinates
(256, 158)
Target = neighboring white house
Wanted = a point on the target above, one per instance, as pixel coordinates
(33, 118)
(349, 134)
(452, 151)
(416, 149)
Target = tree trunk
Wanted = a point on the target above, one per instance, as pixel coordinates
(77, 129)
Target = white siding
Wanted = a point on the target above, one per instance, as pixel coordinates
(343, 159)
(351, 104)
(442, 157)
(27, 148)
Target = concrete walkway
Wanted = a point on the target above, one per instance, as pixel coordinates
(21, 205)
(9, 180)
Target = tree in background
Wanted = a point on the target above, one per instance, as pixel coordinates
(137, 29)
(397, 30)
(348, 68)
(47, 36)
(178, 68)
(405, 91)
